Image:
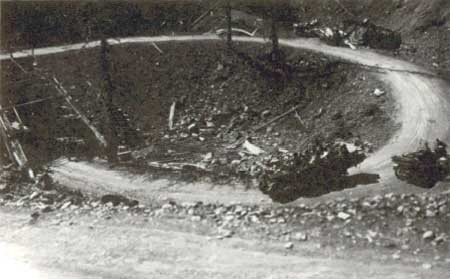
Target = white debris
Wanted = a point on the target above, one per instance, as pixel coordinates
(300, 236)
(237, 30)
(396, 256)
(324, 155)
(344, 216)
(15, 125)
(328, 32)
(66, 205)
(378, 92)
(224, 233)
(352, 46)
(171, 115)
(428, 235)
(351, 147)
(253, 149)
(208, 157)
(289, 245)
(192, 126)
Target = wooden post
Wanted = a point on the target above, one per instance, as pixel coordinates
(108, 88)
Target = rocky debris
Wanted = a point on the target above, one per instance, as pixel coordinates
(351, 33)
(425, 167)
(319, 170)
(391, 221)
(116, 199)
(306, 29)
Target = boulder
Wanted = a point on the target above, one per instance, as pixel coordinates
(117, 199)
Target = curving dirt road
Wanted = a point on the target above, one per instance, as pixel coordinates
(423, 105)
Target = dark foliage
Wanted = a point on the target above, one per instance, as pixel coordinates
(41, 23)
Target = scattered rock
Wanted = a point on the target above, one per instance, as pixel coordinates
(253, 149)
(224, 233)
(396, 256)
(66, 205)
(441, 238)
(428, 235)
(265, 113)
(116, 199)
(300, 236)
(34, 195)
(208, 157)
(430, 213)
(378, 92)
(289, 246)
(47, 209)
(193, 128)
(34, 217)
(4, 188)
(223, 161)
(344, 216)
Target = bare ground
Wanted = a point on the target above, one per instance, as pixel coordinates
(122, 246)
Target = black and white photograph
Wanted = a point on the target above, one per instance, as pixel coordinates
(225, 139)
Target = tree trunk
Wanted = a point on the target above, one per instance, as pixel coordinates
(108, 88)
(229, 33)
(274, 36)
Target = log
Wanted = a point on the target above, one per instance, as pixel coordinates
(13, 146)
(202, 16)
(83, 118)
(171, 115)
(157, 48)
(300, 120)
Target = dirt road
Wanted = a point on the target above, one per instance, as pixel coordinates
(423, 109)
(88, 247)
(423, 100)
